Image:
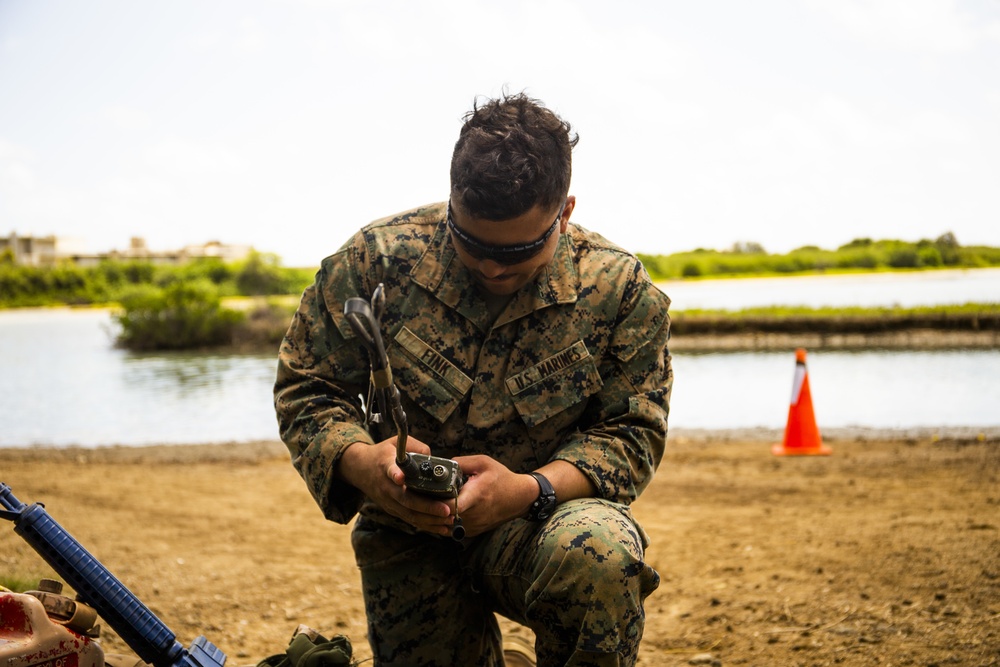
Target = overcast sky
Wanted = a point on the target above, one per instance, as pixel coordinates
(288, 125)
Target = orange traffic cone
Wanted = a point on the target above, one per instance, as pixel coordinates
(801, 433)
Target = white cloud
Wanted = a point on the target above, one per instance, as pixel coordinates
(934, 127)
(185, 158)
(16, 175)
(134, 193)
(935, 26)
(11, 151)
(251, 37)
(992, 30)
(125, 117)
(993, 101)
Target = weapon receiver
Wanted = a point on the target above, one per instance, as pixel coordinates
(138, 627)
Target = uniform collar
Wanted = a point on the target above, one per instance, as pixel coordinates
(441, 272)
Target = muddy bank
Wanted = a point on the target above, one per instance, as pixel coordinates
(914, 330)
(912, 339)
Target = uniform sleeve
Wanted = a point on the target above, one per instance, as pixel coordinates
(322, 372)
(621, 441)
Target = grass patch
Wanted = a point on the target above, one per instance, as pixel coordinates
(853, 319)
(19, 584)
(860, 255)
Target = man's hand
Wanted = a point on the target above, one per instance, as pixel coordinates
(492, 494)
(372, 469)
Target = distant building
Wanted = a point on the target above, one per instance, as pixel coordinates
(227, 253)
(46, 251)
(30, 250)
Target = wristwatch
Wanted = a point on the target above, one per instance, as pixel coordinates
(541, 509)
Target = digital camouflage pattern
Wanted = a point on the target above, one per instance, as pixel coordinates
(575, 367)
(547, 576)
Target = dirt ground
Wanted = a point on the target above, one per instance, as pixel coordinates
(887, 552)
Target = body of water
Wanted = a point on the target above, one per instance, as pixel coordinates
(64, 383)
(877, 389)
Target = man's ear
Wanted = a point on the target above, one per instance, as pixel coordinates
(567, 212)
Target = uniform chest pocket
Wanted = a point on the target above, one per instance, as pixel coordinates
(427, 377)
(555, 384)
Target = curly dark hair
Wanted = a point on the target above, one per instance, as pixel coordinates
(511, 155)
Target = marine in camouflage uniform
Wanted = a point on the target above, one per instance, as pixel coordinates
(572, 368)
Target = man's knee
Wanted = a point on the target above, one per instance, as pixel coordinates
(591, 581)
(595, 552)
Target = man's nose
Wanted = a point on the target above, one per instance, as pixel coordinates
(490, 269)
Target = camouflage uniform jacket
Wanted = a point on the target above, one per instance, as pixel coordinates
(576, 366)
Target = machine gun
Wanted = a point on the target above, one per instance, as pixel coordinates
(430, 475)
(138, 627)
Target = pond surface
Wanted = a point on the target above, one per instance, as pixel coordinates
(64, 383)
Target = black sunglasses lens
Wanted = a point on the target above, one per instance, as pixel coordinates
(506, 255)
(502, 257)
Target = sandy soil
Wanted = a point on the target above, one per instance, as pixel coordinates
(885, 553)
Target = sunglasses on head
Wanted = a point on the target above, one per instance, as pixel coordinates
(507, 255)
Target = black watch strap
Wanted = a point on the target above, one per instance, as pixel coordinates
(545, 503)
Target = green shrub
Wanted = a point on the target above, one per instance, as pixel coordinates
(863, 242)
(138, 272)
(691, 270)
(19, 584)
(183, 315)
(929, 256)
(904, 257)
(265, 325)
(856, 259)
(260, 275)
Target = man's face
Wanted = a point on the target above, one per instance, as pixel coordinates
(489, 248)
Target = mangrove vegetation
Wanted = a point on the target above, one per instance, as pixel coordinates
(247, 305)
(862, 254)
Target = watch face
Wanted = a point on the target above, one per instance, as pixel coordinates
(543, 506)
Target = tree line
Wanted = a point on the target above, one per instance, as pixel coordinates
(861, 254)
(112, 281)
(167, 307)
